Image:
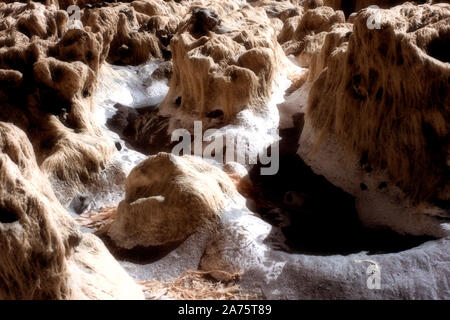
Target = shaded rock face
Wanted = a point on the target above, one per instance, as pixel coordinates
(44, 256)
(168, 198)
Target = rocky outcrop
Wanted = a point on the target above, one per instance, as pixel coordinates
(52, 74)
(377, 104)
(228, 72)
(44, 256)
(168, 198)
(300, 32)
(368, 99)
(48, 72)
(225, 60)
(128, 32)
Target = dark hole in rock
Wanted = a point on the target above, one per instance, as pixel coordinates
(89, 55)
(441, 203)
(164, 36)
(327, 222)
(363, 186)
(379, 94)
(439, 48)
(7, 215)
(289, 197)
(178, 101)
(382, 185)
(167, 54)
(71, 56)
(118, 145)
(57, 74)
(368, 169)
(23, 29)
(53, 102)
(364, 158)
(215, 114)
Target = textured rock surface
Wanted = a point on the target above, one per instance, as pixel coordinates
(354, 106)
(80, 101)
(221, 65)
(52, 71)
(168, 198)
(44, 256)
(48, 73)
(297, 31)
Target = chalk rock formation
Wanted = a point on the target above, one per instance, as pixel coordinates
(298, 32)
(381, 102)
(126, 32)
(48, 75)
(44, 256)
(168, 198)
(225, 60)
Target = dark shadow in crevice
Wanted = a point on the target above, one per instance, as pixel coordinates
(8, 216)
(143, 129)
(315, 216)
(439, 48)
(139, 254)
